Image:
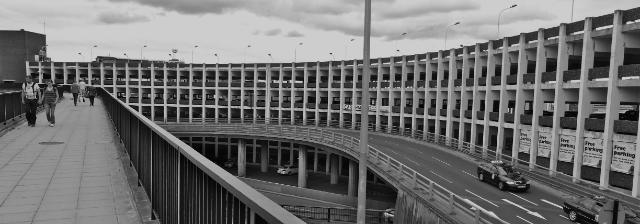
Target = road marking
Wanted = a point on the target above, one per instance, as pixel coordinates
(469, 174)
(524, 219)
(468, 191)
(413, 162)
(445, 163)
(451, 182)
(523, 198)
(551, 203)
(523, 208)
(564, 217)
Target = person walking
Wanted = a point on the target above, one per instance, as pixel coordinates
(30, 94)
(83, 86)
(75, 90)
(90, 93)
(49, 99)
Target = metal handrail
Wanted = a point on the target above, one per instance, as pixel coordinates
(434, 196)
(169, 170)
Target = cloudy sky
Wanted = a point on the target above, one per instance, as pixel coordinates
(277, 27)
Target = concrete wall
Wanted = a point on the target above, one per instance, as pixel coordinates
(16, 47)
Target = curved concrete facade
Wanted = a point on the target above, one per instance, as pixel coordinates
(563, 98)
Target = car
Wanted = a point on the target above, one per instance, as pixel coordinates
(287, 169)
(502, 175)
(389, 214)
(587, 209)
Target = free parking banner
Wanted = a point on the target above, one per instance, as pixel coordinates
(525, 141)
(567, 148)
(544, 144)
(593, 149)
(624, 154)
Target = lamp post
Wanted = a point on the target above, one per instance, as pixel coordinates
(445, 33)
(125, 54)
(244, 53)
(80, 53)
(572, 4)
(141, 56)
(401, 36)
(217, 58)
(295, 52)
(364, 118)
(193, 50)
(500, 16)
(91, 50)
(346, 55)
(332, 56)
(269, 54)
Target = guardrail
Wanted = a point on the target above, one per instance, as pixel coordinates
(444, 204)
(326, 214)
(10, 106)
(182, 185)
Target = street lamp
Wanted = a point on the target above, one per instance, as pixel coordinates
(500, 16)
(91, 50)
(270, 57)
(364, 118)
(401, 36)
(295, 52)
(125, 54)
(572, 4)
(80, 53)
(244, 53)
(345, 48)
(217, 58)
(445, 33)
(142, 57)
(192, 50)
(170, 56)
(334, 57)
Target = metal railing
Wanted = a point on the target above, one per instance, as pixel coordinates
(446, 206)
(182, 185)
(10, 106)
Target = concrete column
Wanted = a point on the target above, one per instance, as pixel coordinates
(279, 154)
(464, 97)
(264, 158)
(334, 169)
(488, 98)
(559, 107)
(584, 96)
(477, 72)
(613, 97)
(451, 102)
(440, 74)
(506, 70)
(327, 163)
(353, 179)
(522, 69)
(541, 66)
(302, 167)
(427, 99)
(242, 160)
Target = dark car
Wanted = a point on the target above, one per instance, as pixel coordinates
(587, 210)
(502, 175)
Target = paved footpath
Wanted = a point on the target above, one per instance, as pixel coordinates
(70, 173)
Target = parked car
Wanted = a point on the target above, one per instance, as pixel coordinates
(502, 175)
(287, 170)
(587, 210)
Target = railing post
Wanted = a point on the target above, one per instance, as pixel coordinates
(321, 134)
(415, 180)
(329, 215)
(452, 204)
(476, 216)
(308, 133)
(431, 190)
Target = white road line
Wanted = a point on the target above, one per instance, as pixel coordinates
(468, 191)
(469, 173)
(564, 217)
(551, 203)
(536, 214)
(413, 162)
(524, 219)
(445, 163)
(523, 199)
(451, 182)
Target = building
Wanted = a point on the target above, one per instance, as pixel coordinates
(563, 99)
(18, 46)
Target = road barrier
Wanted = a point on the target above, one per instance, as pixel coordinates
(182, 185)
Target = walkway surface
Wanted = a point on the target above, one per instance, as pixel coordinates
(70, 173)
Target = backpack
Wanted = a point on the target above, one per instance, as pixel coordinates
(33, 89)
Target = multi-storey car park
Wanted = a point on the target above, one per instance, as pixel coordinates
(564, 98)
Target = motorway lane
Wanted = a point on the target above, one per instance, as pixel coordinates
(459, 176)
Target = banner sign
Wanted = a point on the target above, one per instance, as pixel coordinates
(525, 141)
(372, 108)
(624, 154)
(567, 148)
(593, 149)
(544, 144)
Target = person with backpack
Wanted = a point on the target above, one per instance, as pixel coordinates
(75, 90)
(90, 93)
(30, 94)
(49, 99)
(83, 85)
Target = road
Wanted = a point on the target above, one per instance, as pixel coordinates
(458, 174)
